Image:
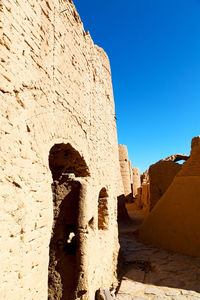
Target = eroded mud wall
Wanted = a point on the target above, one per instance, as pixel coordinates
(55, 87)
(174, 222)
(136, 180)
(126, 170)
(161, 176)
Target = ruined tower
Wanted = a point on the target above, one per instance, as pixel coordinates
(58, 153)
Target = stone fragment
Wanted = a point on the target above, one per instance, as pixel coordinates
(103, 294)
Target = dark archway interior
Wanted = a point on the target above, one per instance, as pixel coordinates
(65, 164)
(103, 216)
(64, 159)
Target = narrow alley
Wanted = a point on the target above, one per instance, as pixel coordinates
(151, 273)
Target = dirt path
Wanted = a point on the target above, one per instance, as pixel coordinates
(152, 273)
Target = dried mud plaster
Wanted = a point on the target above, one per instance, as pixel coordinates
(58, 155)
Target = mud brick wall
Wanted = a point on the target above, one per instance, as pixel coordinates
(55, 89)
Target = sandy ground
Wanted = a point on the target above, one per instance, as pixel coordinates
(151, 273)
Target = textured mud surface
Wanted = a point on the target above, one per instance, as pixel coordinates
(152, 273)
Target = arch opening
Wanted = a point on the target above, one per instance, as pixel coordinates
(65, 164)
(103, 215)
(64, 159)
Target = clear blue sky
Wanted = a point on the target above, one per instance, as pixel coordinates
(154, 51)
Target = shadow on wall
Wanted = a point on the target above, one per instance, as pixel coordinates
(63, 246)
(103, 215)
(122, 211)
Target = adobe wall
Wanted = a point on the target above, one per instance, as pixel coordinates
(155, 182)
(55, 88)
(174, 222)
(145, 177)
(161, 175)
(142, 200)
(136, 180)
(126, 170)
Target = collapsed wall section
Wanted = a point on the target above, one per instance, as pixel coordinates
(161, 176)
(156, 180)
(174, 222)
(55, 88)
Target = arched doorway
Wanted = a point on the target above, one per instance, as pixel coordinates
(66, 164)
(103, 215)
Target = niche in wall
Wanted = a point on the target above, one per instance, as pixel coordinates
(66, 164)
(103, 215)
